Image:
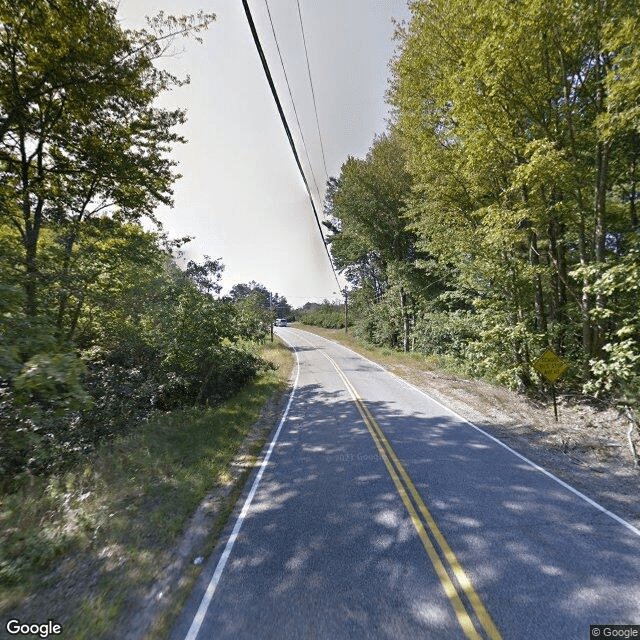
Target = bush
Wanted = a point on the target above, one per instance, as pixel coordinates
(442, 333)
(327, 315)
(134, 334)
(376, 326)
(231, 369)
(223, 373)
(40, 408)
(124, 389)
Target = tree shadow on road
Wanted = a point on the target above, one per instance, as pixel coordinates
(329, 549)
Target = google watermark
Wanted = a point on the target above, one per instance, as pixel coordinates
(46, 629)
(597, 631)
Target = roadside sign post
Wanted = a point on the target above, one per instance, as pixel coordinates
(551, 367)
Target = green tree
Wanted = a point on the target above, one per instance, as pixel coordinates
(370, 241)
(326, 314)
(257, 307)
(518, 121)
(79, 135)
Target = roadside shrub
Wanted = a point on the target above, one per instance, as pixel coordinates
(444, 333)
(124, 389)
(376, 326)
(40, 408)
(231, 369)
(327, 315)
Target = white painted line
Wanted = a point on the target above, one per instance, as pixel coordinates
(562, 483)
(192, 634)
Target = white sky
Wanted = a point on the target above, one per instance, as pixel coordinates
(241, 196)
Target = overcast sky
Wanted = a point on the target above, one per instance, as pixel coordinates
(241, 196)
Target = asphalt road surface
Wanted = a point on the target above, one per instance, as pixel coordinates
(379, 513)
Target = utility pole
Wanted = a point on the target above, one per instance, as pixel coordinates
(346, 317)
(271, 315)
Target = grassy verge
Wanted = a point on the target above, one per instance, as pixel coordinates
(76, 548)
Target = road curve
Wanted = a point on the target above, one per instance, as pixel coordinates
(379, 513)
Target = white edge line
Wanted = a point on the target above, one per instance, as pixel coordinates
(579, 494)
(198, 619)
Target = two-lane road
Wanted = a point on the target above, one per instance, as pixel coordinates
(378, 513)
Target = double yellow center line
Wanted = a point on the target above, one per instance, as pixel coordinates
(454, 580)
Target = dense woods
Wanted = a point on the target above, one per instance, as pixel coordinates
(101, 322)
(498, 215)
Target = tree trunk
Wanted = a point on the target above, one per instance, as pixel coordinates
(30, 242)
(75, 316)
(405, 320)
(585, 302)
(520, 349)
(32, 217)
(31, 273)
(558, 282)
(63, 297)
(534, 261)
(634, 185)
(600, 204)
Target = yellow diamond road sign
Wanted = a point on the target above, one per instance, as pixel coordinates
(550, 365)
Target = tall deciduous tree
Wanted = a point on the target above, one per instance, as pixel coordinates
(371, 242)
(520, 124)
(79, 134)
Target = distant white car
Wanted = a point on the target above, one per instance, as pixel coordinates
(281, 322)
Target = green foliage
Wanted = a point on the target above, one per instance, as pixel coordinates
(617, 370)
(375, 325)
(519, 124)
(257, 308)
(366, 204)
(328, 315)
(136, 334)
(371, 241)
(80, 135)
(498, 216)
(232, 367)
(45, 377)
(99, 325)
(445, 333)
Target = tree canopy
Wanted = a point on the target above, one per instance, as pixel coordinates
(510, 186)
(101, 321)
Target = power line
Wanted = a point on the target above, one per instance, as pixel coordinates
(313, 93)
(293, 103)
(272, 86)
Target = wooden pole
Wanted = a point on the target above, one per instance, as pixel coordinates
(346, 319)
(271, 316)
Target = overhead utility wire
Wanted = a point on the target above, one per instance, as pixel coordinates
(272, 86)
(293, 103)
(313, 94)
